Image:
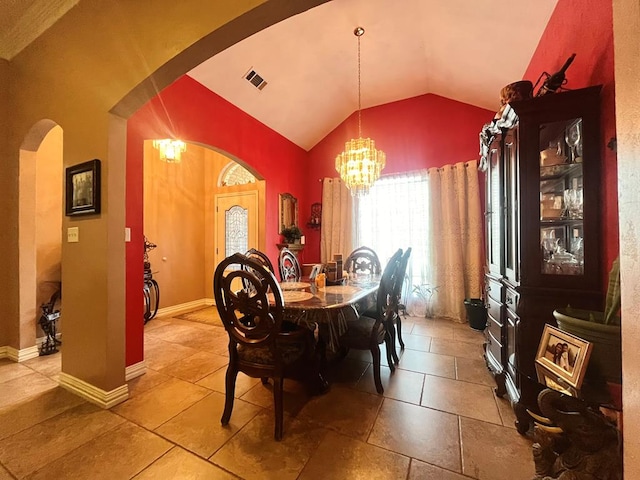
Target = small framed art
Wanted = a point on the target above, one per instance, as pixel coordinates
(82, 189)
(563, 358)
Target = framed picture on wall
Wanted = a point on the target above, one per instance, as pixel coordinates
(82, 188)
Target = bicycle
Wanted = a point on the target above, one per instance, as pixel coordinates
(150, 290)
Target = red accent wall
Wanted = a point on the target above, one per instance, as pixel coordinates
(585, 27)
(420, 132)
(189, 111)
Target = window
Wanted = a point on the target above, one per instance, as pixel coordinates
(395, 215)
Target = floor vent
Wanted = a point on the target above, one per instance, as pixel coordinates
(255, 79)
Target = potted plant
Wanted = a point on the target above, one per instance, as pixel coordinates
(291, 234)
(425, 293)
(600, 328)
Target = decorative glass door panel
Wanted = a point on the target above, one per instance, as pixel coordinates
(494, 211)
(561, 198)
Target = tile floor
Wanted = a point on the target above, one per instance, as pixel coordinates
(437, 420)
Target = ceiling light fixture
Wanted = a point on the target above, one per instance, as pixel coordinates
(170, 150)
(360, 164)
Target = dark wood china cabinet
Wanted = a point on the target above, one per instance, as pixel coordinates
(542, 159)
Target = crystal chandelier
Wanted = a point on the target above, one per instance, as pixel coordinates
(360, 164)
(170, 150)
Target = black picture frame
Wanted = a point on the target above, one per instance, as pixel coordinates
(82, 189)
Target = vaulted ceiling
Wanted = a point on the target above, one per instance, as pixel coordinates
(466, 50)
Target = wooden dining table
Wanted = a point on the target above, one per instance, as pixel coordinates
(325, 309)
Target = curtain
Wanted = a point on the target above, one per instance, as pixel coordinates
(395, 215)
(337, 220)
(456, 237)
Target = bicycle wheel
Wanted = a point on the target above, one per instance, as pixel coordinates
(154, 298)
(146, 295)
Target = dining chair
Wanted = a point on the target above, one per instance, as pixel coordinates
(398, 283)
(363, 260)
(368, 332)
(259, 346)
(289, 266)
(260, 257)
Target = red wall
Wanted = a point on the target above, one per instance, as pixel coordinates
(420, 132)
(585, 27)
(192, 113)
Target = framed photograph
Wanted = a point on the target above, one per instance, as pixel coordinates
(551, 380)
(562, 357)
(82, 189)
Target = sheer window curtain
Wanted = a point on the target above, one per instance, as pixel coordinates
(395, 215)
(456, 237)
(337, 220)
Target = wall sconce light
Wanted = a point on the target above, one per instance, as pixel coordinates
(170, 150)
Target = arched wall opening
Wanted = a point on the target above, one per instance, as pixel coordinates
(180, 219)
(40, 229)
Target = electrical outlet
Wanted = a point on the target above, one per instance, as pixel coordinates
(73, 235)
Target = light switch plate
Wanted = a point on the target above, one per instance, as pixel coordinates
(127, 234)
(73, 235)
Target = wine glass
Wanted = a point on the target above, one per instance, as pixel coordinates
(573, 137)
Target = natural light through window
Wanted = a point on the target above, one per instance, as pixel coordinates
(395, 215)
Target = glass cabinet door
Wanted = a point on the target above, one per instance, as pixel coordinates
(562, 239)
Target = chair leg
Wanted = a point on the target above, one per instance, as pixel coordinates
(399, 329)
(375, 353)
(230, 390)
(392, 343)
(278, 401)
(265, 380)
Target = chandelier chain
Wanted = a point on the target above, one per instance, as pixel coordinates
(359, 94)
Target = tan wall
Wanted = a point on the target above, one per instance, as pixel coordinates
(179, 217)
(174, 213)
(5, 317)
(75, 73)
(626, 40)
(48, 226)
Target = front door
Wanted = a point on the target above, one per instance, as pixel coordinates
(236, 223)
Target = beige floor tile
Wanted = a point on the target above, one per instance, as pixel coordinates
(430, 363)
(198, 428)
(216, 380)
(145, 382)
(48, 365)
(254, 454)
(423, 471)
(456, 348)
(295, 396)
(507, 414)
(345, 410)
(22, 388)
(434, 329)
(154, 407)
(349, 370)
(36, 409)
(196, 367)
(10, 370)
(474, 371)
(4, 475)
(120, 454)
(419, 432)
(339, 457)
(180, 464)
(401, 385)
(417, 342)
(26, 451)
(493, 452)
(156, 323)
(164, 354)
(461, 398)
(464, 333)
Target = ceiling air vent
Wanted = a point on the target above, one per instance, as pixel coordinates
(255, 79)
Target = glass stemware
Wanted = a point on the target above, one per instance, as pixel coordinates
(573, 137)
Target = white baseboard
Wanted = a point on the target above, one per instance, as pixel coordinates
(136, 370)
(19, 355)
(184, 307)
(94, 394)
